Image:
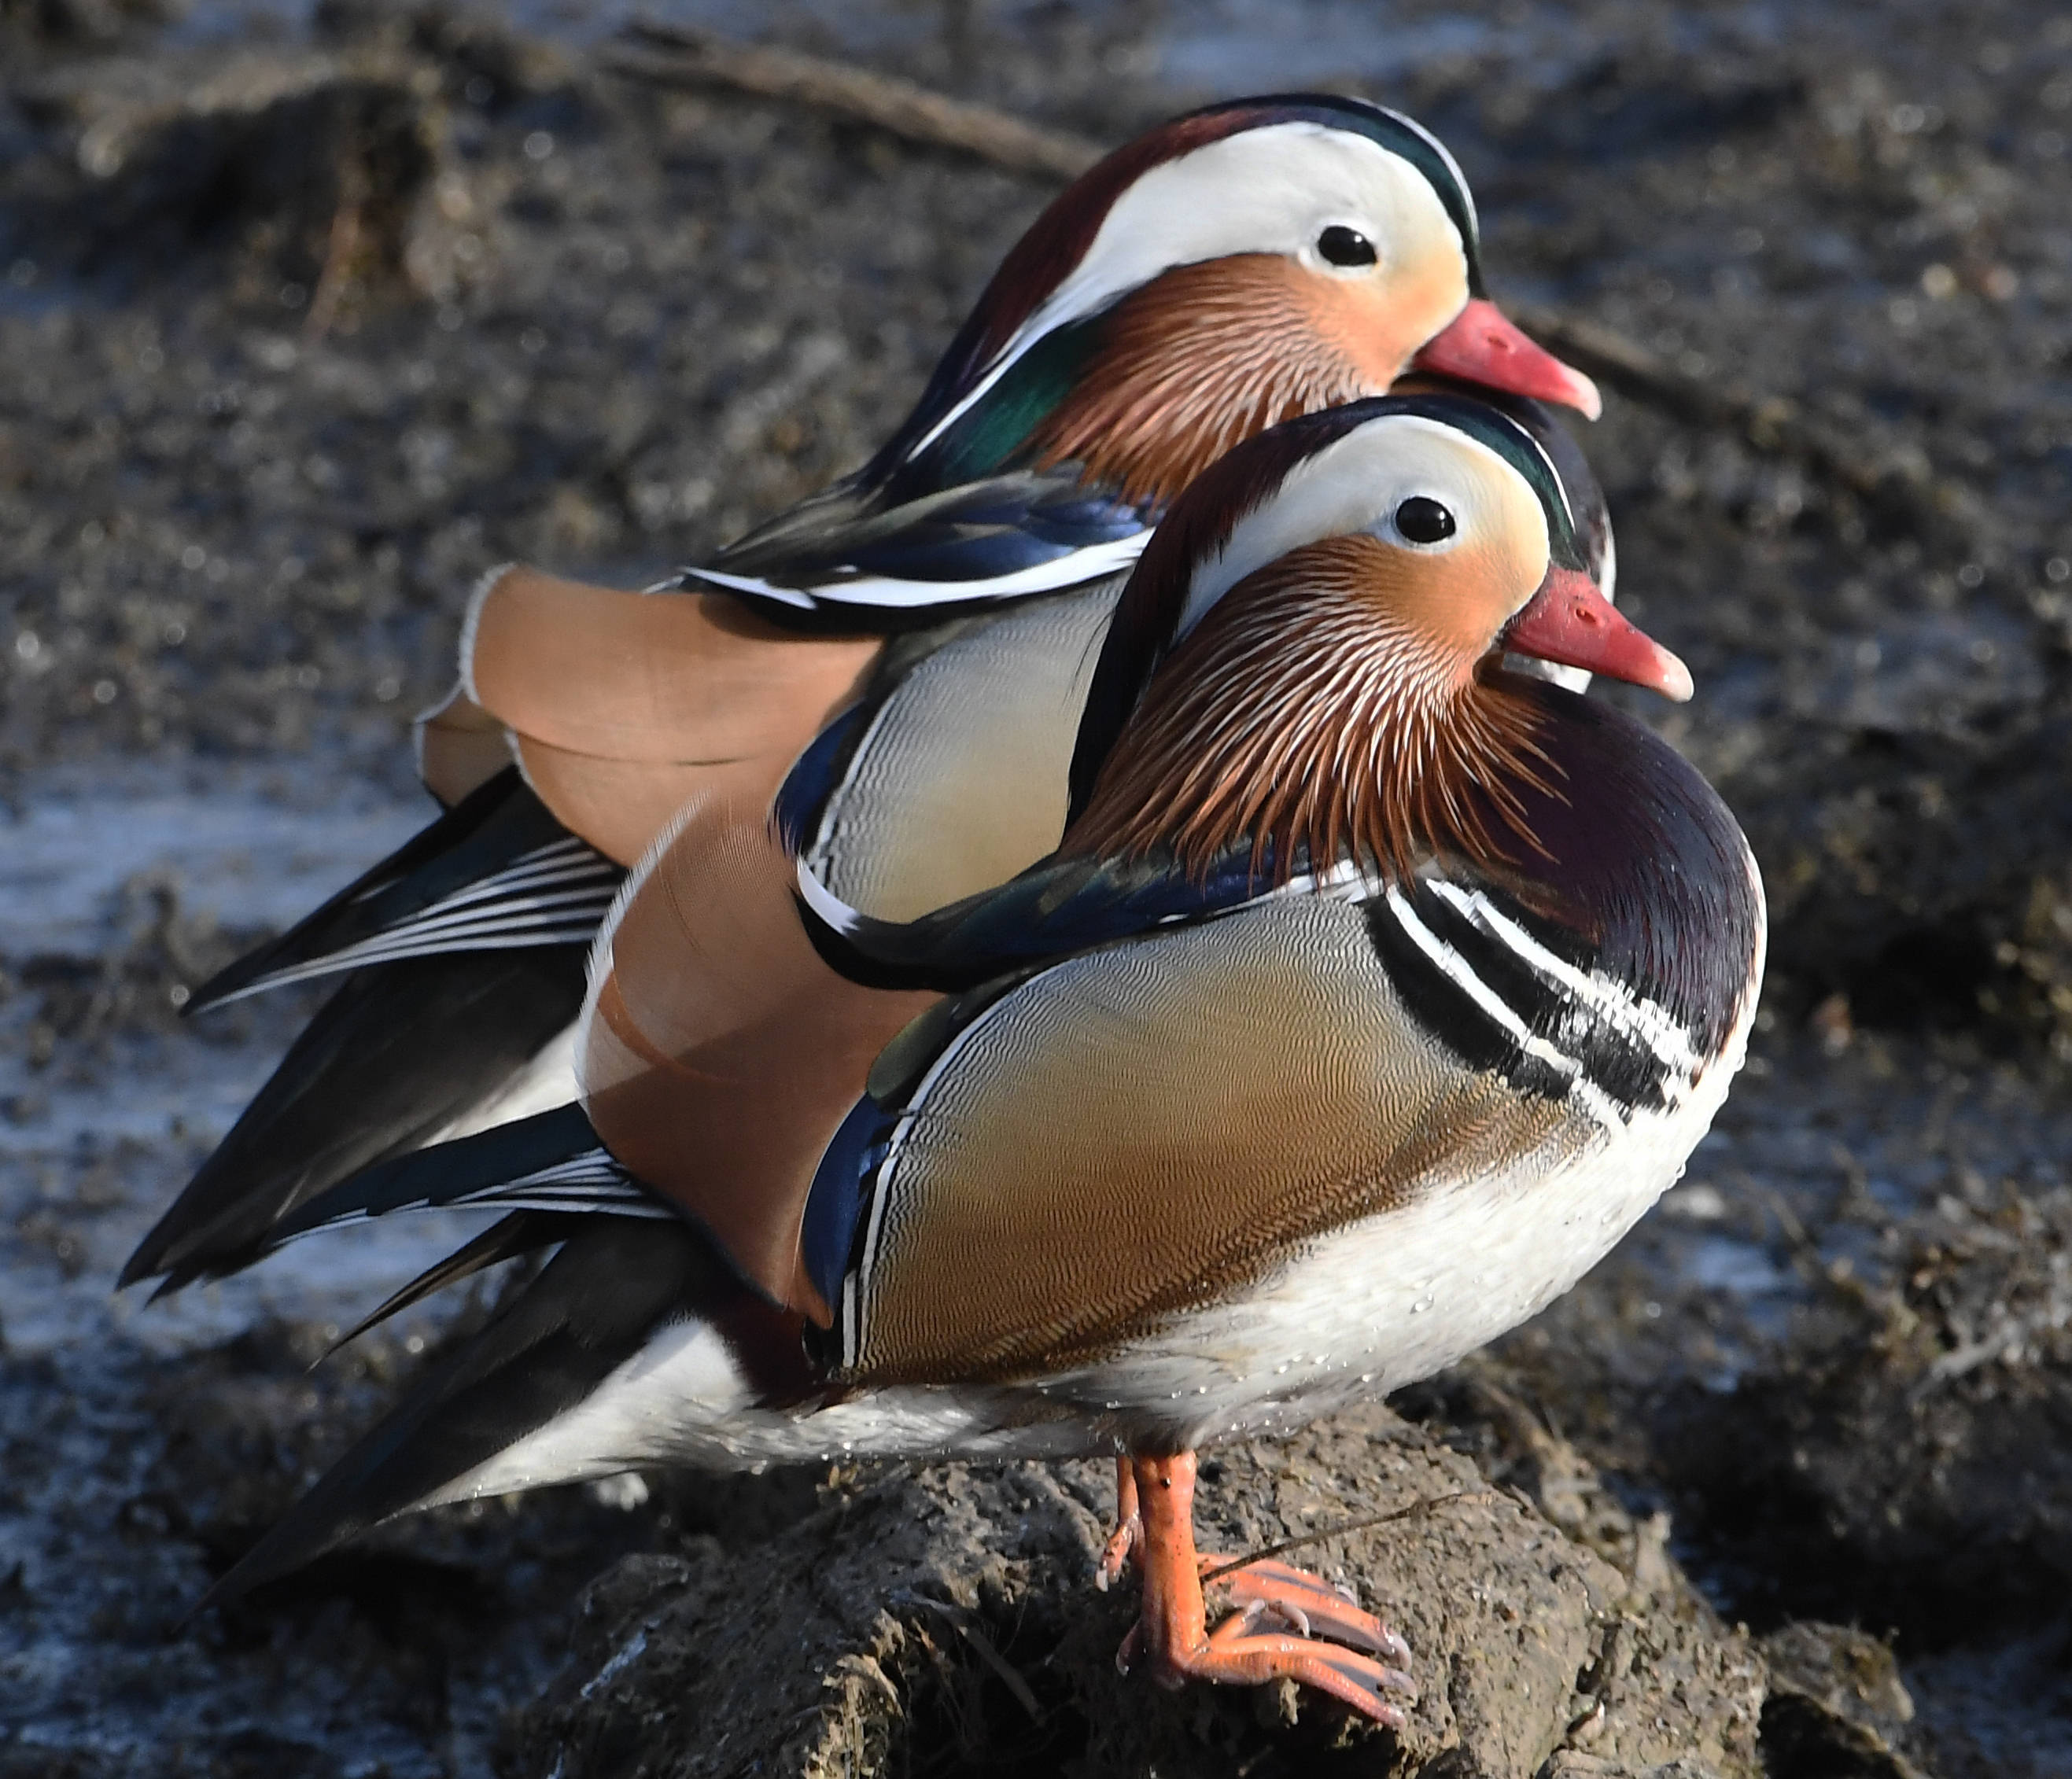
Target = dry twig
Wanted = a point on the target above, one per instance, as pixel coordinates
(680, 55)
(1416, 1510)
(339, 254)
(968, 1628)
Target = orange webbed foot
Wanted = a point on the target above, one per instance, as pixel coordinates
(1306, 1605)
(1362, 1663)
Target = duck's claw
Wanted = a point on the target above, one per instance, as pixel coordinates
(1235, 1654)
(1307, 1605)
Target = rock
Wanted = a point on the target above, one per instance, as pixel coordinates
(1569, 1765)
(952, 1607)
(1847, 1674)
(1836, 1707)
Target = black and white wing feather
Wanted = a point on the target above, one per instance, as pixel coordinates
(495, 873)
(1003, 538)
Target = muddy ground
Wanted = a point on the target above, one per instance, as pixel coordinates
(306, 320)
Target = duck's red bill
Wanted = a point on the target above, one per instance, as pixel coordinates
(1569, 623)
(1484, 345)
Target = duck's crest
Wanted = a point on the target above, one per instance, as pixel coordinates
(996, 333)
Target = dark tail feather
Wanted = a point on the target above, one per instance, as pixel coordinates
(550, 1161)
(495, 873)
(522, 1232)
(305, 938)
(592, 1307)
(399, 1053)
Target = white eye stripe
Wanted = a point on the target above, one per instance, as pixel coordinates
(1389, 533)
(1357, 483)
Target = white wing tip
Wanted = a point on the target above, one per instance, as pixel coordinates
(826, 905)
(751, 584)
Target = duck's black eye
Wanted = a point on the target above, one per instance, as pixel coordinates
(1344, 246)
(1423, 520)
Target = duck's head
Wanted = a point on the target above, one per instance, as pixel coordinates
(1236, 267)
(1310, 656)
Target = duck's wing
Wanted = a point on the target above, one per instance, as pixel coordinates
(626, 713)
(1170, 1084)
(619, 708)
(854, 564)
(947, 775)
(550, 1161)
(951, 772)
(718, 1052)
(466, 938)
(1144, 1132)
(622, 708)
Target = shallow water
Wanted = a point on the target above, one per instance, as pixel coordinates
(96, 1389)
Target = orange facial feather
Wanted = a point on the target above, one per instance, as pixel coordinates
(1208, 354)
(1304, 713)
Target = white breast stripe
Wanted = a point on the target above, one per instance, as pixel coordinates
(1347, 881)
(1592, 1098)
(1649, 1021)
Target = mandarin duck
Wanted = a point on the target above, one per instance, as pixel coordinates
(1374, 990)
(1239, 266)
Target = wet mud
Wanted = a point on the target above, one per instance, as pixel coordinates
(309, 315)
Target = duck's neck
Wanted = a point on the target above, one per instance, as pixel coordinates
(1297, 717)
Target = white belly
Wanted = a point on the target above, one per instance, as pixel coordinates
(1391, 1300)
